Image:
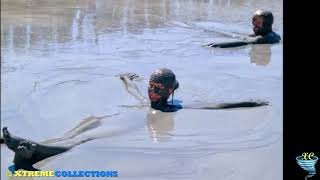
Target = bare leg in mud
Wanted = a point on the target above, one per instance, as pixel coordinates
(28, 152)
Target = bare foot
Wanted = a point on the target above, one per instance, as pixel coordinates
(10, 140)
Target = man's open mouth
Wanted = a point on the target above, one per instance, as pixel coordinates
(154, 96)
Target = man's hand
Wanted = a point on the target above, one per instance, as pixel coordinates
(130, 76)
(212, 45)
(130, 85)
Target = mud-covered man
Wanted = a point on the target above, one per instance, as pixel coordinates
(263, 34)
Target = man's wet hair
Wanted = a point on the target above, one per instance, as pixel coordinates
(166, 77)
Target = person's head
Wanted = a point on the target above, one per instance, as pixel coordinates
(162, 83)
(262, 22)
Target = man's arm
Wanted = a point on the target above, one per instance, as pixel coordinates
(228, 44)
(244, 104)
(131, 87)
(256, 40)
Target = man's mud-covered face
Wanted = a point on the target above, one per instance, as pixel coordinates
(158, 91)
(257, 23)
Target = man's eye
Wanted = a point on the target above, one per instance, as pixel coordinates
(153, 87)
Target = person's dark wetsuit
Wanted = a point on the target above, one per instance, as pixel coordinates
(262, 26)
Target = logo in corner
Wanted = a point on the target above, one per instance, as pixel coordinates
(307, 161)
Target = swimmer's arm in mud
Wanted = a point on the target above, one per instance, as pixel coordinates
(244, 104)
(256, 40)
(131, 87)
